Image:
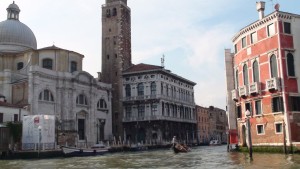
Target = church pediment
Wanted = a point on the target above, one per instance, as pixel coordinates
(84, 77)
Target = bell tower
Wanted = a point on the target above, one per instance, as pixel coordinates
(116, 54)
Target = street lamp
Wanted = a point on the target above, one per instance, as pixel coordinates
(40, 139)
(248, 114)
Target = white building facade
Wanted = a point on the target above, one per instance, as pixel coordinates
(50, 81)
(157, 105)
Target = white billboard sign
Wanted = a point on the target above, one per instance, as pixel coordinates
(38, 130)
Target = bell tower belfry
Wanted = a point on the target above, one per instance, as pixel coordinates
(116, 54)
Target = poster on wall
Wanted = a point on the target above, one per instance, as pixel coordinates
(38, 130)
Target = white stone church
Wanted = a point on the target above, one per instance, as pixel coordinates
(50, 81)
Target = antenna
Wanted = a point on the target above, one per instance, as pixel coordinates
(163, 61)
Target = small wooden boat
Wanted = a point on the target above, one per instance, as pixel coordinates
(178, 148)
(73, 151)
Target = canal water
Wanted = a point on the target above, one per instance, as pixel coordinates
(200, 157)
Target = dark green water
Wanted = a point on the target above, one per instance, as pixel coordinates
(200, 157)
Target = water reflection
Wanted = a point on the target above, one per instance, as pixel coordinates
(200, 157)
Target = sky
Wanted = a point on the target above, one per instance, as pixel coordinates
(191, 34)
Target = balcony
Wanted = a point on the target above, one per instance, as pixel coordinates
(272, 84)
(254, 88)
(243, 91)
(157, 118)
(234, 95)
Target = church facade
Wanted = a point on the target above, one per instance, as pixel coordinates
(50, 81)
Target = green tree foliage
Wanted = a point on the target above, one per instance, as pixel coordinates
(15, 131)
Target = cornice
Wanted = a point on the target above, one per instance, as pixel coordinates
(267, 19)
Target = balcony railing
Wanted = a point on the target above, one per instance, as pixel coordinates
(272, 84)
(243, 91)
(155, 118)
(254, 88)
(169, 98)
(234, 94)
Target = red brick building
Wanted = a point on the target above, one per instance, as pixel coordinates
(263, 77)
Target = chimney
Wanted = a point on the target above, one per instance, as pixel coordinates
(260, 7)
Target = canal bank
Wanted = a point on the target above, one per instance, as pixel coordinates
(58, 152)
(200, 157)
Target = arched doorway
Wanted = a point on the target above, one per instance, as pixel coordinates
(141, 135)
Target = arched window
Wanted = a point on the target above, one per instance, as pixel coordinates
(47, 64)
(255, 72)
(73, 66)
(20, 65)
(108, 13)
(46, 95)
(167, 89)
(162, 88)
(245, 74)
(236, 79)
(128, 90)
(153, 88)
(101, 104)
(290, 64)
(81, 100)
(273, 66)
(140, 89)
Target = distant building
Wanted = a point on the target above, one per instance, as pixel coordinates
(157, 105)
(263, 78)
(212, 124)
(203, 125)
(11, 112)
(218, 124)
(50, 81)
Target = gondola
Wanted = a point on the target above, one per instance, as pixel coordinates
(178, 148)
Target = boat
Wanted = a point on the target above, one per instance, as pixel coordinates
(180, 148)
(214, 143)
(74, 151)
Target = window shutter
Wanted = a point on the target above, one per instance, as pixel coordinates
(281, 103)
(290, 103)
(272, 104)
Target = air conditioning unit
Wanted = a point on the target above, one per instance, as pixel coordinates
(272, 84)
(243, 91)
(254, 88)
(234, 95)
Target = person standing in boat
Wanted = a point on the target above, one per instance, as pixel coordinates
(174, 141)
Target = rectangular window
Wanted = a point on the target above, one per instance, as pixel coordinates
(1, 117)
(260, 129)
(278, 127)
(271, 29)
(153, 109)
(253, 37)
(16, 117)
(81, 132)
(128, 112)
(277, 105)
(235, 48)
(287, 27)
(141, 111)
(248, 107)
(243, 42)
(295, 103)
(239, 111)
(258, 107)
